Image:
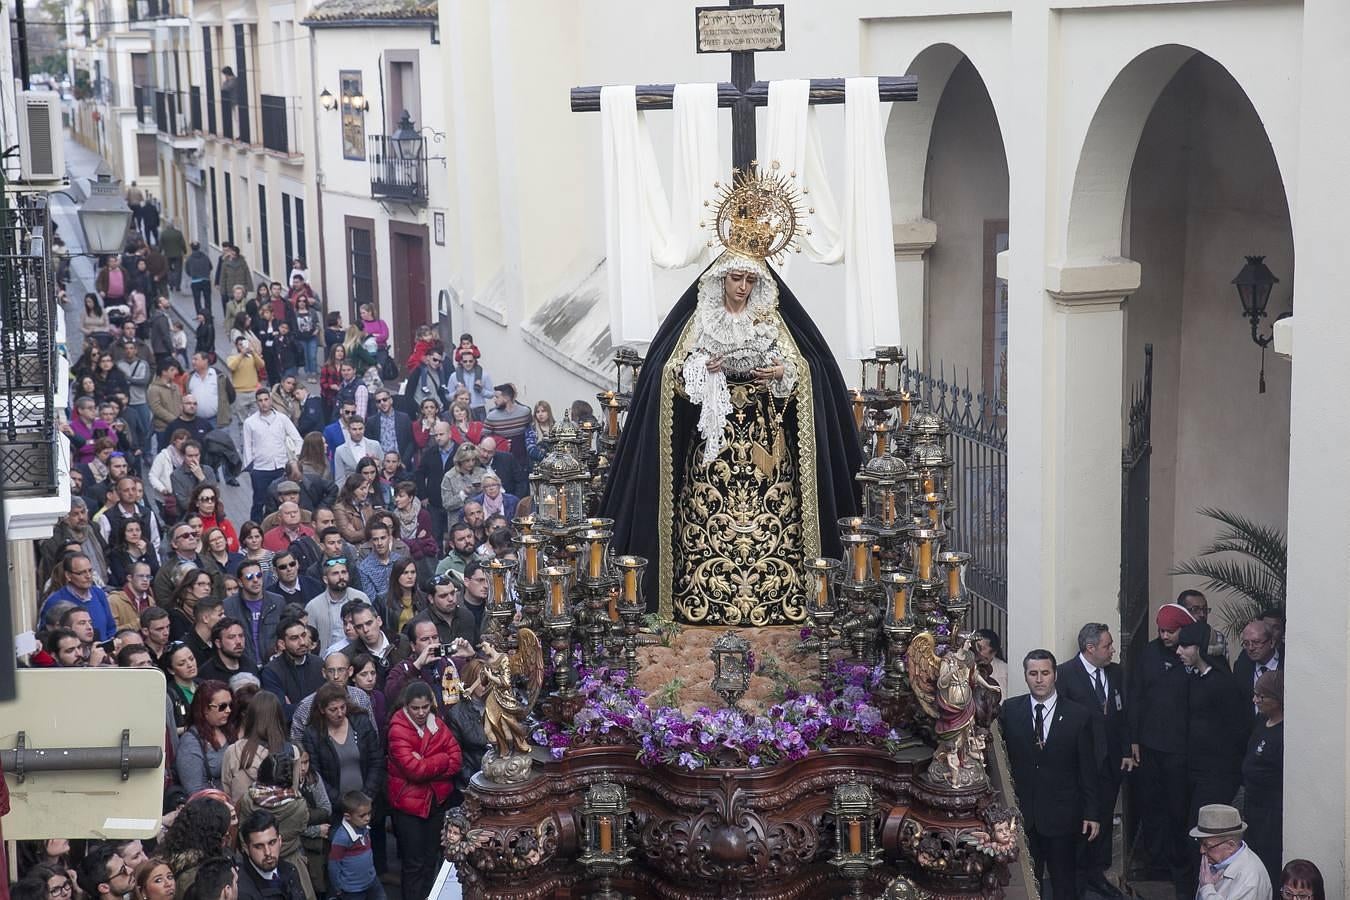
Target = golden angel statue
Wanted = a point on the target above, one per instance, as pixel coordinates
(505, 709)
(945, 687)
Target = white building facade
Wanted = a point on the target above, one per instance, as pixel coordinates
(381, 149)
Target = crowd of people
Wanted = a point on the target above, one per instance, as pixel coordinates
(324, 680)
(1186, 730)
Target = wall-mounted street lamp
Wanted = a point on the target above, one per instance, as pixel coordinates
(1254, 284)
(327, 100)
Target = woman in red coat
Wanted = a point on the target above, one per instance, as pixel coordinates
(423, 760)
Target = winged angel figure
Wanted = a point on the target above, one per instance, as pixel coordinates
(945, 687)
(506, 709)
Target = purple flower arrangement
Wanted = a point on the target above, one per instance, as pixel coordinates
(841, 714)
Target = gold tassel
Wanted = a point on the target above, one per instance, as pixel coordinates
(762, 459)
(779, 444)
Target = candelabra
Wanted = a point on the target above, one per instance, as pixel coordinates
(558, 621)
(501, 609)
(530, 585)
(820, 573)
(632, 604)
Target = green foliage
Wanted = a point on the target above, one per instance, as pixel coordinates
(668, 694)
(1248, 561)
(666, 629)
(785, 684)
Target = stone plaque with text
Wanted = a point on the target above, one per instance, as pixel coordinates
(725, 29)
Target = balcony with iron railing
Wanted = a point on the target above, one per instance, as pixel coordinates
(195, 102)
(398, 168)
(281, 121)
(171, 116)
(143, 99)
(28, 360)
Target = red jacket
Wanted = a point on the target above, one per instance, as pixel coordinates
(421, 767)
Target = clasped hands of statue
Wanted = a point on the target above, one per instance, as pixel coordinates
(763, 374)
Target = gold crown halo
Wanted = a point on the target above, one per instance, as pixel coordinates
(759, 213)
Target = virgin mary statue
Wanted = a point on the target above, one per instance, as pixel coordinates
(739, 452)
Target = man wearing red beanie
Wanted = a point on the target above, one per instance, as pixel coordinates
(1157, 729)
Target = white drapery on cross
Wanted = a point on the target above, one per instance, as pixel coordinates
(641, 227)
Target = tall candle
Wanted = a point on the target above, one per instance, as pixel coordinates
(925, 559)
(854, 836)
(954, 582)
(898, 608)
(889, 514)
(596, 559)
(935, 514)
(906, 409)
(881, 440)
(531, 562)
(499, 586)
(606, 834)
(613, 429)
(557, 596)
(614, 605)
(822, 588)
(860, 562)
(857, 410)
(928, 485)
(630, 586)
(562, 505)
(876, 562)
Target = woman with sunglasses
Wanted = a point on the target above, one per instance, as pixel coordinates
(180, 665)
(205, 502)
(201, 749)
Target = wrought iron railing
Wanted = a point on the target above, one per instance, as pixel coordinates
(979, 451)
(398, 169)
(27, 348)
(143, 98)
(280, 123)
(195, 102)
(170, 117)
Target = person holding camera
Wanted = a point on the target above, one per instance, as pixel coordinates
(247, 372)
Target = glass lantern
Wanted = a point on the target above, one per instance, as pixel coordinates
(604, 818)
(885, 490)
(954, 569)
(926, 544)
(528, 558)
(632, 593)
(731, 667)
(856, 852)
(820, 573)
(898, 586)
(559, 582)
(858, 554)
(558, 487)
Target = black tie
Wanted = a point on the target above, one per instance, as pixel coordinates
(1101, 689)
(1040, 725)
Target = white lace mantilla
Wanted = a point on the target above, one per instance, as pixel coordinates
(745, 341)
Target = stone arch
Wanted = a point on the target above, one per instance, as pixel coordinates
(910, 128)
(1102, 177)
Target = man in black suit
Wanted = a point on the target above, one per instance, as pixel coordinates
(391, 428)
(437, 458)
(1096, 683)
(1261, 653)
(1157, 719)
(1054, 768)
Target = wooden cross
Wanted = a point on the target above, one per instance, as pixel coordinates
(743, 93)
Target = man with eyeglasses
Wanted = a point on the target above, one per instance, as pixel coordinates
(228, 657)
(289, 583)
(258, 609)
(269, 439)
(1198, 607)
(429, 660)
(1260, 654)
(293, 674)
(133, 597)
(325, 610)
(427, 382)
(337, 670)
(81, 590)
(1229, 870)
(390, 427)
(104, 874)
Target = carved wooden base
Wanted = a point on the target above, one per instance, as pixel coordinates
(758, 834)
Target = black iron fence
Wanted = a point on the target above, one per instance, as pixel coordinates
(979, 449)
(398, 169)
(27, 348)
(195, 103)
(143, 98)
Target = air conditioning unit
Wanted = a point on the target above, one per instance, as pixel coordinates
(42, 155)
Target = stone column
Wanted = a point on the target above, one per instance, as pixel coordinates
(23, 586)
(1317, 683)
(913, 240)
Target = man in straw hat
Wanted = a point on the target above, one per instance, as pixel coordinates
(1228, 868)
